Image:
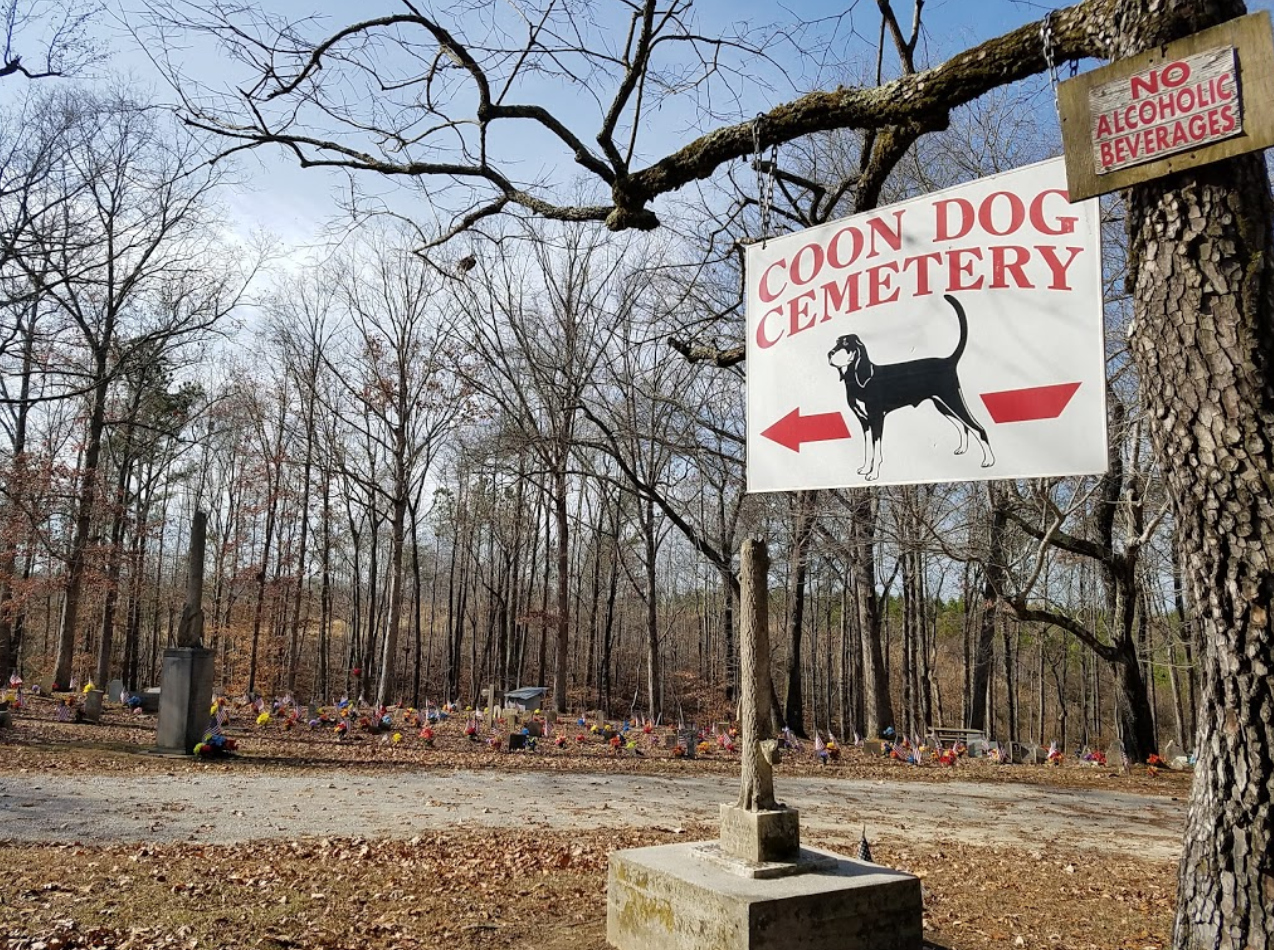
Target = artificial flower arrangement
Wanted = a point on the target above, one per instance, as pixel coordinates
(214, 746)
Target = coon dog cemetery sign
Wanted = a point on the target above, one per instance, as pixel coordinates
(1201, 99)
(951, 337)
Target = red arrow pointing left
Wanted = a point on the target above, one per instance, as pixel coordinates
(794, 428)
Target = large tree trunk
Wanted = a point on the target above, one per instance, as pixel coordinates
(77, 562)
(984, 649)
(654, 678)
(1202, 280)
(878, 712)
(802, 533)
(561, 656)
(1204, 342)
(1132, 705)
(388, 660)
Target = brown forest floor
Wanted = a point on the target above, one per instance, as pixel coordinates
(485, 888)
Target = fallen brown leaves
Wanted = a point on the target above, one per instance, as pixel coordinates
(486, 888)
(470, 890)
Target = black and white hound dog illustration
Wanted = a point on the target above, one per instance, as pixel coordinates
(873, 390)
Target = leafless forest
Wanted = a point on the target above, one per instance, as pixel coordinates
(517, 459)
(427, 473)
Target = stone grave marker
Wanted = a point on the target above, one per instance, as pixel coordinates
(114, 689)
(689, 740)
(93, 706)
(1115, 756)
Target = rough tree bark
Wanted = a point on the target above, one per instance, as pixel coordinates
(993, 587)
(1201, 276)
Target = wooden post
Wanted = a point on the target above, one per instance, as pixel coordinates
(759, 748)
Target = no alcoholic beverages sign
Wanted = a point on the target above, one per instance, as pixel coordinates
(950, 337)
(1168, 108)
(1198, 100)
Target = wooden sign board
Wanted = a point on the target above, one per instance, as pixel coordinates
(1200, 99)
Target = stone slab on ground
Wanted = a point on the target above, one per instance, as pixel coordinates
(668, 898)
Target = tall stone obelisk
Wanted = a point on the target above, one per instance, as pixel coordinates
(185, 695)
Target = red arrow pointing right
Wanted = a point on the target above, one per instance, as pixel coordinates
(1026, 405)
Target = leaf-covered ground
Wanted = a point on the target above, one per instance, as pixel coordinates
(486, 888)
(474, 888)
(116, 744)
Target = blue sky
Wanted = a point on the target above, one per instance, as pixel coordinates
(295, 203)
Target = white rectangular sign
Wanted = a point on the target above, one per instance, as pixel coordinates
(951, 337)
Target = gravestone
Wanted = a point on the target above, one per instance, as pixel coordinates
(689, 740)
(753, 887)
(1115, 756)
(114, 690)
(534, 729)
(186, 693)
(150, 698)
(93, 706)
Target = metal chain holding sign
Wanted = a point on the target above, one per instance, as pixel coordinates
(1046, 40)
(764, 177)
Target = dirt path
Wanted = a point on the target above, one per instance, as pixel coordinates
(224, 808)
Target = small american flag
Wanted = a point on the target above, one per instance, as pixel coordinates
(219, 720)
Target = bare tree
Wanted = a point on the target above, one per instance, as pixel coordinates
(1201, 256)
(117, 263)
(52, 34)
(542, 324)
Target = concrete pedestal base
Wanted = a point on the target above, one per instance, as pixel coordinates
(761, 837)
(670, 898)
(184, 700)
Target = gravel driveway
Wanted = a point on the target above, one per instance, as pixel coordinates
(221, 808)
